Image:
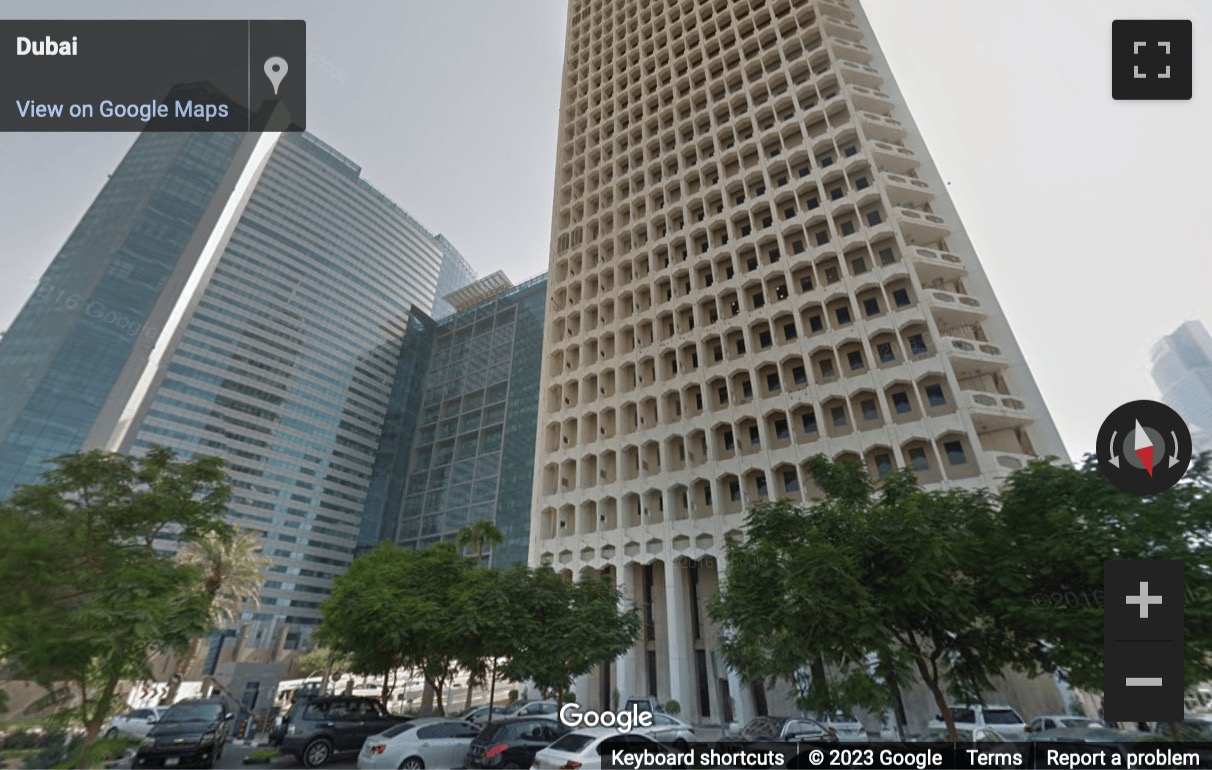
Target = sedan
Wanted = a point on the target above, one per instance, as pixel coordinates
(137, 723)
(421, 743)
(668, 729)
(1060, 722)
(583, 749)
(479, 714)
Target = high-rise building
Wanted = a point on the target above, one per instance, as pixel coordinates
(458, 445)
(257, 295)
(1182, 369)
(753, 261)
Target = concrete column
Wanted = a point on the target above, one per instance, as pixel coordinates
(742, 699)
(681, 683)
(627, 665)
(580, 686)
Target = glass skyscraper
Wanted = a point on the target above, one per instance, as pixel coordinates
(276, 347)
(1182, 369)
(458, 445)
(101, 306)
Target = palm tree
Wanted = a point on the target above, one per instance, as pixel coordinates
(477, 535)
(231, 576)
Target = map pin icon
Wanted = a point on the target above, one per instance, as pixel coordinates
(275, 70)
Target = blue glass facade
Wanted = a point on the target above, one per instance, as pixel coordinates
(461, 445)
(99, 307)
(287, 365)
(282, 340)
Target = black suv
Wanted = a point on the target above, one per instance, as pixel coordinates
(191, 732)
(513, 742)
(317, 729)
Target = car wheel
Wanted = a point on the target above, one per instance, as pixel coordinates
(412, 763)
(680, 744)
(317, 752)
(111, 732)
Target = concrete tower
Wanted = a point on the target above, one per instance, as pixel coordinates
(753, 261)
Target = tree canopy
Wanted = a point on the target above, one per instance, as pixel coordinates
(89, 594)
(951, 586)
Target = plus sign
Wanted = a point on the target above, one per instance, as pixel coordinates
(1144, 600)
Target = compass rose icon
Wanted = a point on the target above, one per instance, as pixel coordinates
(1144, 447)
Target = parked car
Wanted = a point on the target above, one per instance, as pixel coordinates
(478, 715)
(782, 729)
(846, 726)
(669, 730)
(968, 736)
(1000, 717)
(137, 722)
(317, 729)
(1084, 734)
(1194, 727)
(513, 741)
(533, 708)
(1059, 722)
(644, 703)
(583, 749)
(190, 732)
(417, 744)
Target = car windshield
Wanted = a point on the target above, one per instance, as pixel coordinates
(193, 712)
(1002, 717)
(763, 727)
(572, 743)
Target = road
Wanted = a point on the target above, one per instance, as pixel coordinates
(234, 754)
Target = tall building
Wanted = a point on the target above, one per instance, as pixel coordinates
(269, 289)
(753, 261)
(1182, 369)
(458, 445)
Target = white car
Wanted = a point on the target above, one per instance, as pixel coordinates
(845, 726)
(583, 749)
(668, 729)
(419, 743)
(1004, 719)
(1060, 722)
(533, 708)
(138, 722)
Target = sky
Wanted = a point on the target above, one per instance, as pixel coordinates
(1089, 215)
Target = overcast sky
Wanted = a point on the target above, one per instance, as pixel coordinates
(1090, 216)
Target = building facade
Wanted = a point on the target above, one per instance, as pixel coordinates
(277, 341)
(72, 356)
(753, 261)
(459, 447)
(1182, 370)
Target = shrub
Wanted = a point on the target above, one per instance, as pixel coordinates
(672, 706)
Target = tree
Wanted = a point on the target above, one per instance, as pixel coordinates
(478, 534)
(475, 536)
(860, 573)
(398, 607)
(487, 626)
(88, 596)
(1046, 547)
(563, 628)
(231, 567)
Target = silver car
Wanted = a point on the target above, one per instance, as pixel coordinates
(420, 743)
(138, 722)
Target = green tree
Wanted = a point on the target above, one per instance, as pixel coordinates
(862, 572)
(398, 607)
(477, 535)
(88, 597)
(230, 564)
(563, 628)
(1047, 543)
(487, 625)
